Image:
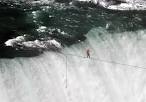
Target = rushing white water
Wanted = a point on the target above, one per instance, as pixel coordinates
(43, 78)
(22, 43)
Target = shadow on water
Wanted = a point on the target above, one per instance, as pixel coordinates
(9, 52)
(13, 22)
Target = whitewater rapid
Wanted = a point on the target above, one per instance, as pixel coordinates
(120, 5)
(43, 78)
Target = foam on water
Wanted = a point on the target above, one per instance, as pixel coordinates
(43, 78)
(21, 42)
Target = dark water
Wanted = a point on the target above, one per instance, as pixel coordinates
(74, 21)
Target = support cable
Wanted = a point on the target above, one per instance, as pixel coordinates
(66, 72)
(97, 59)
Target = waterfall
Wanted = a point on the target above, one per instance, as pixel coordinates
(43, 78)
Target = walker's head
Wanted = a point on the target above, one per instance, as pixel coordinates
(88, 50)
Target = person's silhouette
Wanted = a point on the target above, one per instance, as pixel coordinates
(88, 53)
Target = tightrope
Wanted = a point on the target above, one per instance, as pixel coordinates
(105, 61)
(96, 59)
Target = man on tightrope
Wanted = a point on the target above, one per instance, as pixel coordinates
(88, 53)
